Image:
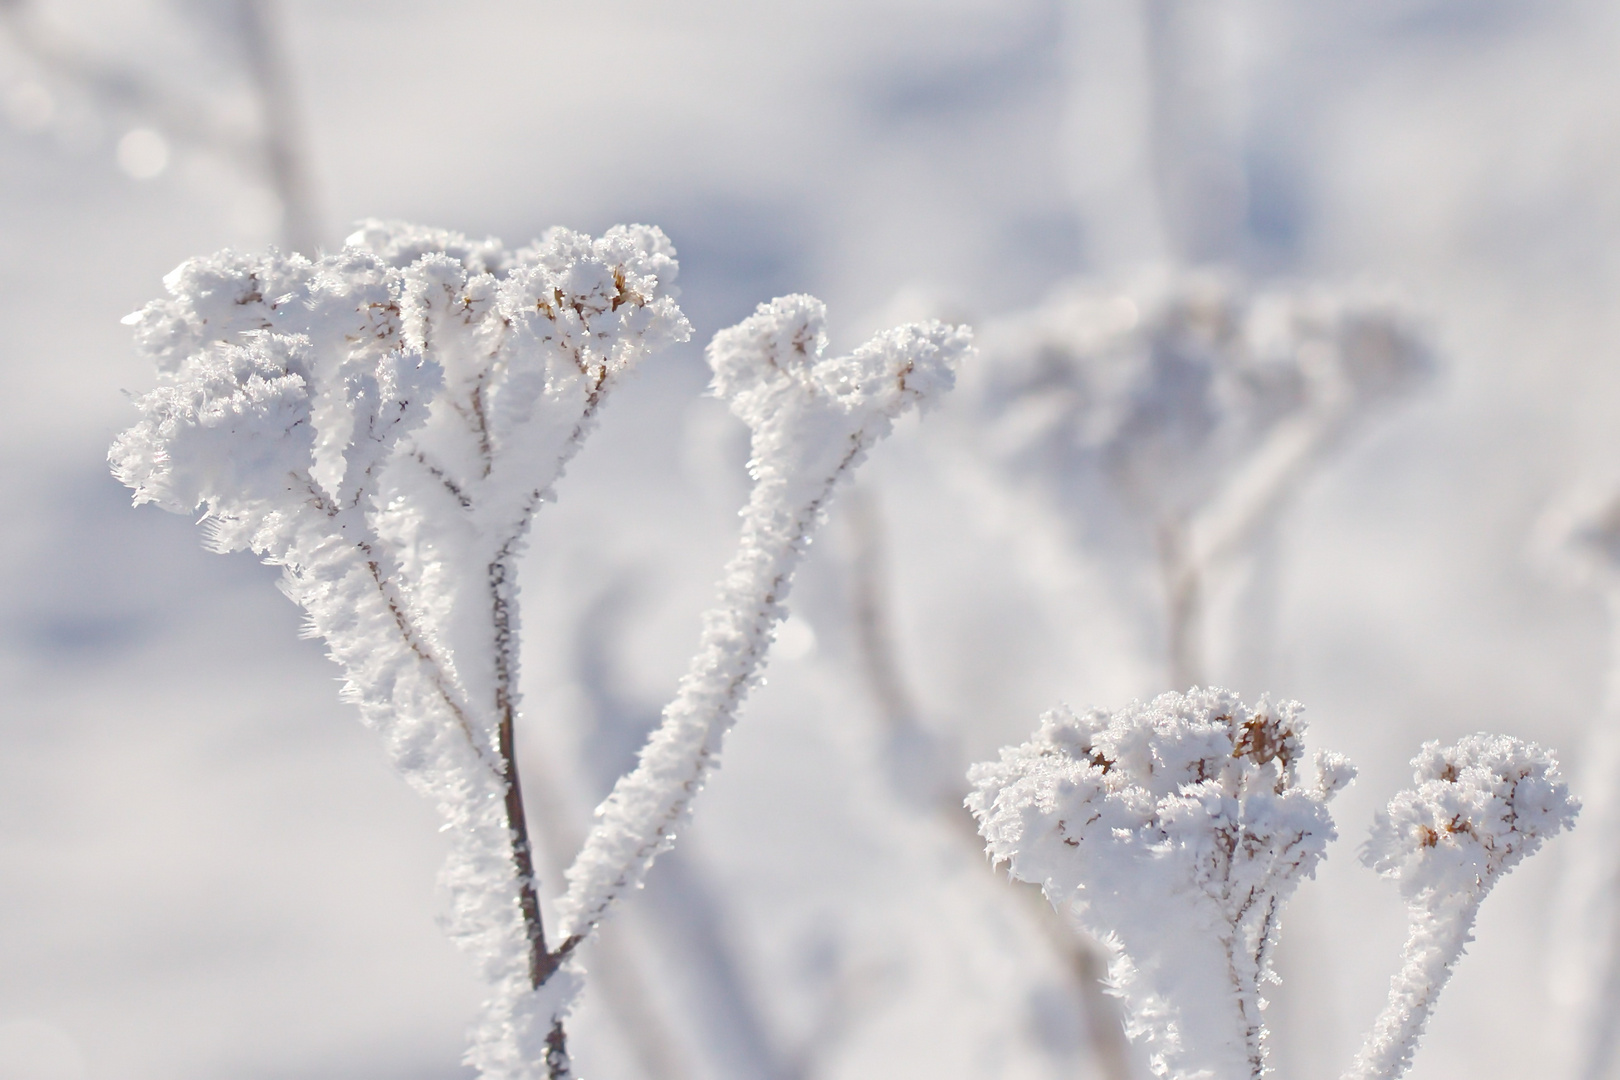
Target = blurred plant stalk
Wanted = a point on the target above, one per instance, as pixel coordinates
(273, 152)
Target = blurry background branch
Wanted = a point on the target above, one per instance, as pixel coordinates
(927, 775)
(271, 149)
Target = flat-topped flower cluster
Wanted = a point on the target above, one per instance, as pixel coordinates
(1177, 829)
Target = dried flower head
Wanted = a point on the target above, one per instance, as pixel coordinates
(1160, 392)
(1478, 808)
(1178, 827)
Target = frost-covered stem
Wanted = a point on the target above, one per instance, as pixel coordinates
(557, 1063)
(1439, 931)
(541, 962)
(687, 923)
(638, 819)
(1259, 494)
(1183, 599)
(647, 802)
(285, 159)
(1196, 167)
(813, 419)
(1105, 1026)
(618, 975)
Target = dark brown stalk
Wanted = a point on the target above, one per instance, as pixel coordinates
(541, 962)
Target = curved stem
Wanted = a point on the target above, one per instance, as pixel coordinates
(638, 820)
(283, 143)
(1440, 928)
(880, 664)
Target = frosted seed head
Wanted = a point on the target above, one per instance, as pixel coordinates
(645, 258)
(908, 365)
(1478, 807)
(390, 328)
(399, 244)
(776, 347)
(777, 355)
(212, 298)
(1182, 782)
(1161, 390)
(1177, 828)
(231, 429)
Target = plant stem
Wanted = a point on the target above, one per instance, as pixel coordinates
(1183, 597)
(1440, 927)
(281, 134)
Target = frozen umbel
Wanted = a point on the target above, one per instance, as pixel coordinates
(384, 422)
(1177, 830)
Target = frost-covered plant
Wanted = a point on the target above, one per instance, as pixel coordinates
(384, 422)
(1179, 828)
(1177, 417)
(1478, 808)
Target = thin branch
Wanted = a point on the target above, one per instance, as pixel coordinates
(878, 656)
(284, 146)
(813, 420)
(277, 152)
(735, 638)
(121, 87)
(1180, 574)
(881, 667)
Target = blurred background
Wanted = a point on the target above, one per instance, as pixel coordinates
(206, 869)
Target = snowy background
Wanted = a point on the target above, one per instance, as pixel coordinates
(206, 869)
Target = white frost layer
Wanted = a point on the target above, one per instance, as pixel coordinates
(1177, 828)
(1477, 809)
(382, 423)
(814, 418)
